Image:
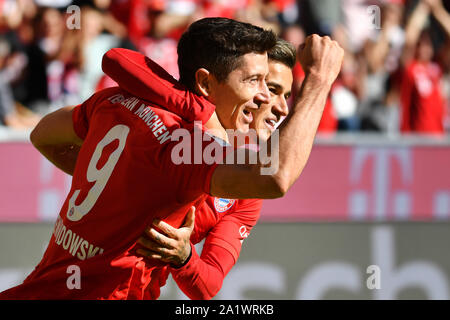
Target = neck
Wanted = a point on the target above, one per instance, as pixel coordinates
(214, 127)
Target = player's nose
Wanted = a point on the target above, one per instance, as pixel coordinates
(263, 95)
(280, 109)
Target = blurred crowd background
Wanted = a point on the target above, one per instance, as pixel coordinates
(395, 78)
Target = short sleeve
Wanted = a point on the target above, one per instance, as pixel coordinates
(82, 113)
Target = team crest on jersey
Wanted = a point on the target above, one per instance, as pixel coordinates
(222, 204)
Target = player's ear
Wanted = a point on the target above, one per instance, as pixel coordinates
(203, 82)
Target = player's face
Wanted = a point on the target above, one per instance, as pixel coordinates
(242, 92)
(279, 81)
(424, 49)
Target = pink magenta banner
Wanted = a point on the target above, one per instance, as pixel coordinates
(368, 184)
(339, 183)
(31, 188)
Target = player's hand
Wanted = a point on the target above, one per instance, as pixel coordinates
(321, 57)
(171, 245)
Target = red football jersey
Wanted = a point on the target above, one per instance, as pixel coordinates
(423, 107)
(123, 179)
(224, 224)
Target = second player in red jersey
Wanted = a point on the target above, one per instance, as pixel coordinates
(423, 107)
(224, 223)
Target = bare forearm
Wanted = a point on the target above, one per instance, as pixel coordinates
(443, 17)
(298, 131)
(287, 151)
(414, 27)
(321, 59)
(416, 23)
(167, 22)
(376, 51)
(288, 148)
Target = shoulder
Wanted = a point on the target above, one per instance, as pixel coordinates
(154, 116)
(111, 95)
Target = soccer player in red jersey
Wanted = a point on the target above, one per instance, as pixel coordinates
(421, 98)
(124, 163)
(423, 106)
(223, 223)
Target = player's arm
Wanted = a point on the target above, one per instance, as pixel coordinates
(55, 138)
(321, 59)
(141, 76)
(440, 13)
(415, 24)
(201, 277)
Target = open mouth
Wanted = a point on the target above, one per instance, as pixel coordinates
(270, 123)
(248, 116)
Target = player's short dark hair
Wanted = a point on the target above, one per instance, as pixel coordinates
(283, 52)
(217, 44)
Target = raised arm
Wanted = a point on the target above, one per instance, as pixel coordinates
(414, 26)
(321, 59)
(141, 76)
(441, 14)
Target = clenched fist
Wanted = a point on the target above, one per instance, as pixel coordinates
(321, 57)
